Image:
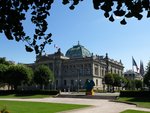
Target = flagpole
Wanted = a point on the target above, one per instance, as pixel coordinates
(132, 69)
(132, 65)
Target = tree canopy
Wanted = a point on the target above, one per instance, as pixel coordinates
(147, 75)
(138, 84)
(3, 61)
(17, 75)
(43, 76)
(3, 69)
(109, 79)
(13, 13)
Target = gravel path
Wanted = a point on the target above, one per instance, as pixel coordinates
(98, 105)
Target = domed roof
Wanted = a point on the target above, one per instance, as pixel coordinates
(78, 51)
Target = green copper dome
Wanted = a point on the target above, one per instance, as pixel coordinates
(78, 51)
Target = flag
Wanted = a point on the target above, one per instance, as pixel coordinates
(141, 68)
(134, 64)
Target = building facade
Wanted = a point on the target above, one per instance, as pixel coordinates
(77, 65)
(131, 75)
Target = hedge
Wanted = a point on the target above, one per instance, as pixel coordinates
(134, 94)
(28, 92)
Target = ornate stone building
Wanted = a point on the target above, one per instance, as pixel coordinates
(77, 65)
(131, 75)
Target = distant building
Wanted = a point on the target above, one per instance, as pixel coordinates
(77, 65)
(130, 74)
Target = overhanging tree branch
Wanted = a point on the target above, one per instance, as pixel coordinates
(13, 13)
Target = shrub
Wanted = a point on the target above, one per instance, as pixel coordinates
(135, 94)
(28, 92)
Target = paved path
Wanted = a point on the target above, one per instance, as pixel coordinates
(98, 105)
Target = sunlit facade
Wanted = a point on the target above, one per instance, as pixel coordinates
(77, 65)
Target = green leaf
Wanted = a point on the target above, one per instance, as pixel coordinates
(111, 18)
(129, 15)
(65, 2)
(148, 14)
(72, 7)
(8, 35)
(123, 22)
(106, 14)
(33, 13)
(28, 49)
(119, 12)
(27, 38)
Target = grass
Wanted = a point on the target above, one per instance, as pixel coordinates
(25, 96)
(140, 102)
(134, 111)
(37, 107)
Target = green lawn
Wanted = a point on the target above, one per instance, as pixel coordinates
(140, 102)
(27, 96)
(37, 107)
(134, 111)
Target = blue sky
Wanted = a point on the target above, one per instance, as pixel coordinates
(92, 29)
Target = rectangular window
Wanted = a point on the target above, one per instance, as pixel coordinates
(56, 82)
(102, 72)
(96, 70)
(65, 83)
(72, 82)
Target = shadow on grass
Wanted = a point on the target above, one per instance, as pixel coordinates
(25, 96)
(139, 99)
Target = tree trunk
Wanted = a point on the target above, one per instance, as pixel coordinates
(42, 86)
(15, 87)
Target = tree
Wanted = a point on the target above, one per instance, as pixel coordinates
(117, 80)
(109, 80)
(124, 82)
(17, 75)
(3, 70)
(3, 61)
(128, 84)
(138, 84)
(43, 75)
(147, 76)
(13, 13)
